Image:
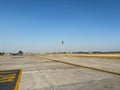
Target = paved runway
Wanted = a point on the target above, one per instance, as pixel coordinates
(106, 65)
(44, 74)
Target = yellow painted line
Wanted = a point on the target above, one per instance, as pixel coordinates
(6, 80)
(12, 76)
(18, 80)
(7, 72)
(102, 70)
(9, 75)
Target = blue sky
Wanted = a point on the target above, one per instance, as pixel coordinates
(41, 25)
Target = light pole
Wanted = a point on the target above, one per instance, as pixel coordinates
(62, 47)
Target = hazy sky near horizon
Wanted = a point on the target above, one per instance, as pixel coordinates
(41, 25)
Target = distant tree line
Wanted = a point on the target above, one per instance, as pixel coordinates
(2, 53)
(93, 52)
(97, 52)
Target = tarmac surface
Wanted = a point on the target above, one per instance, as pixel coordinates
(43, 74)
(107, 65)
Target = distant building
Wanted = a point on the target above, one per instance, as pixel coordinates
(20, 53)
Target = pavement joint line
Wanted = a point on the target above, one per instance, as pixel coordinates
(50, 84)
(102, 70)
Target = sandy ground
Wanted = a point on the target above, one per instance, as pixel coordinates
(102, 56)
(43, 74)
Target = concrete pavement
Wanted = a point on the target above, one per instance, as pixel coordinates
(44, 74)
(108, 65)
